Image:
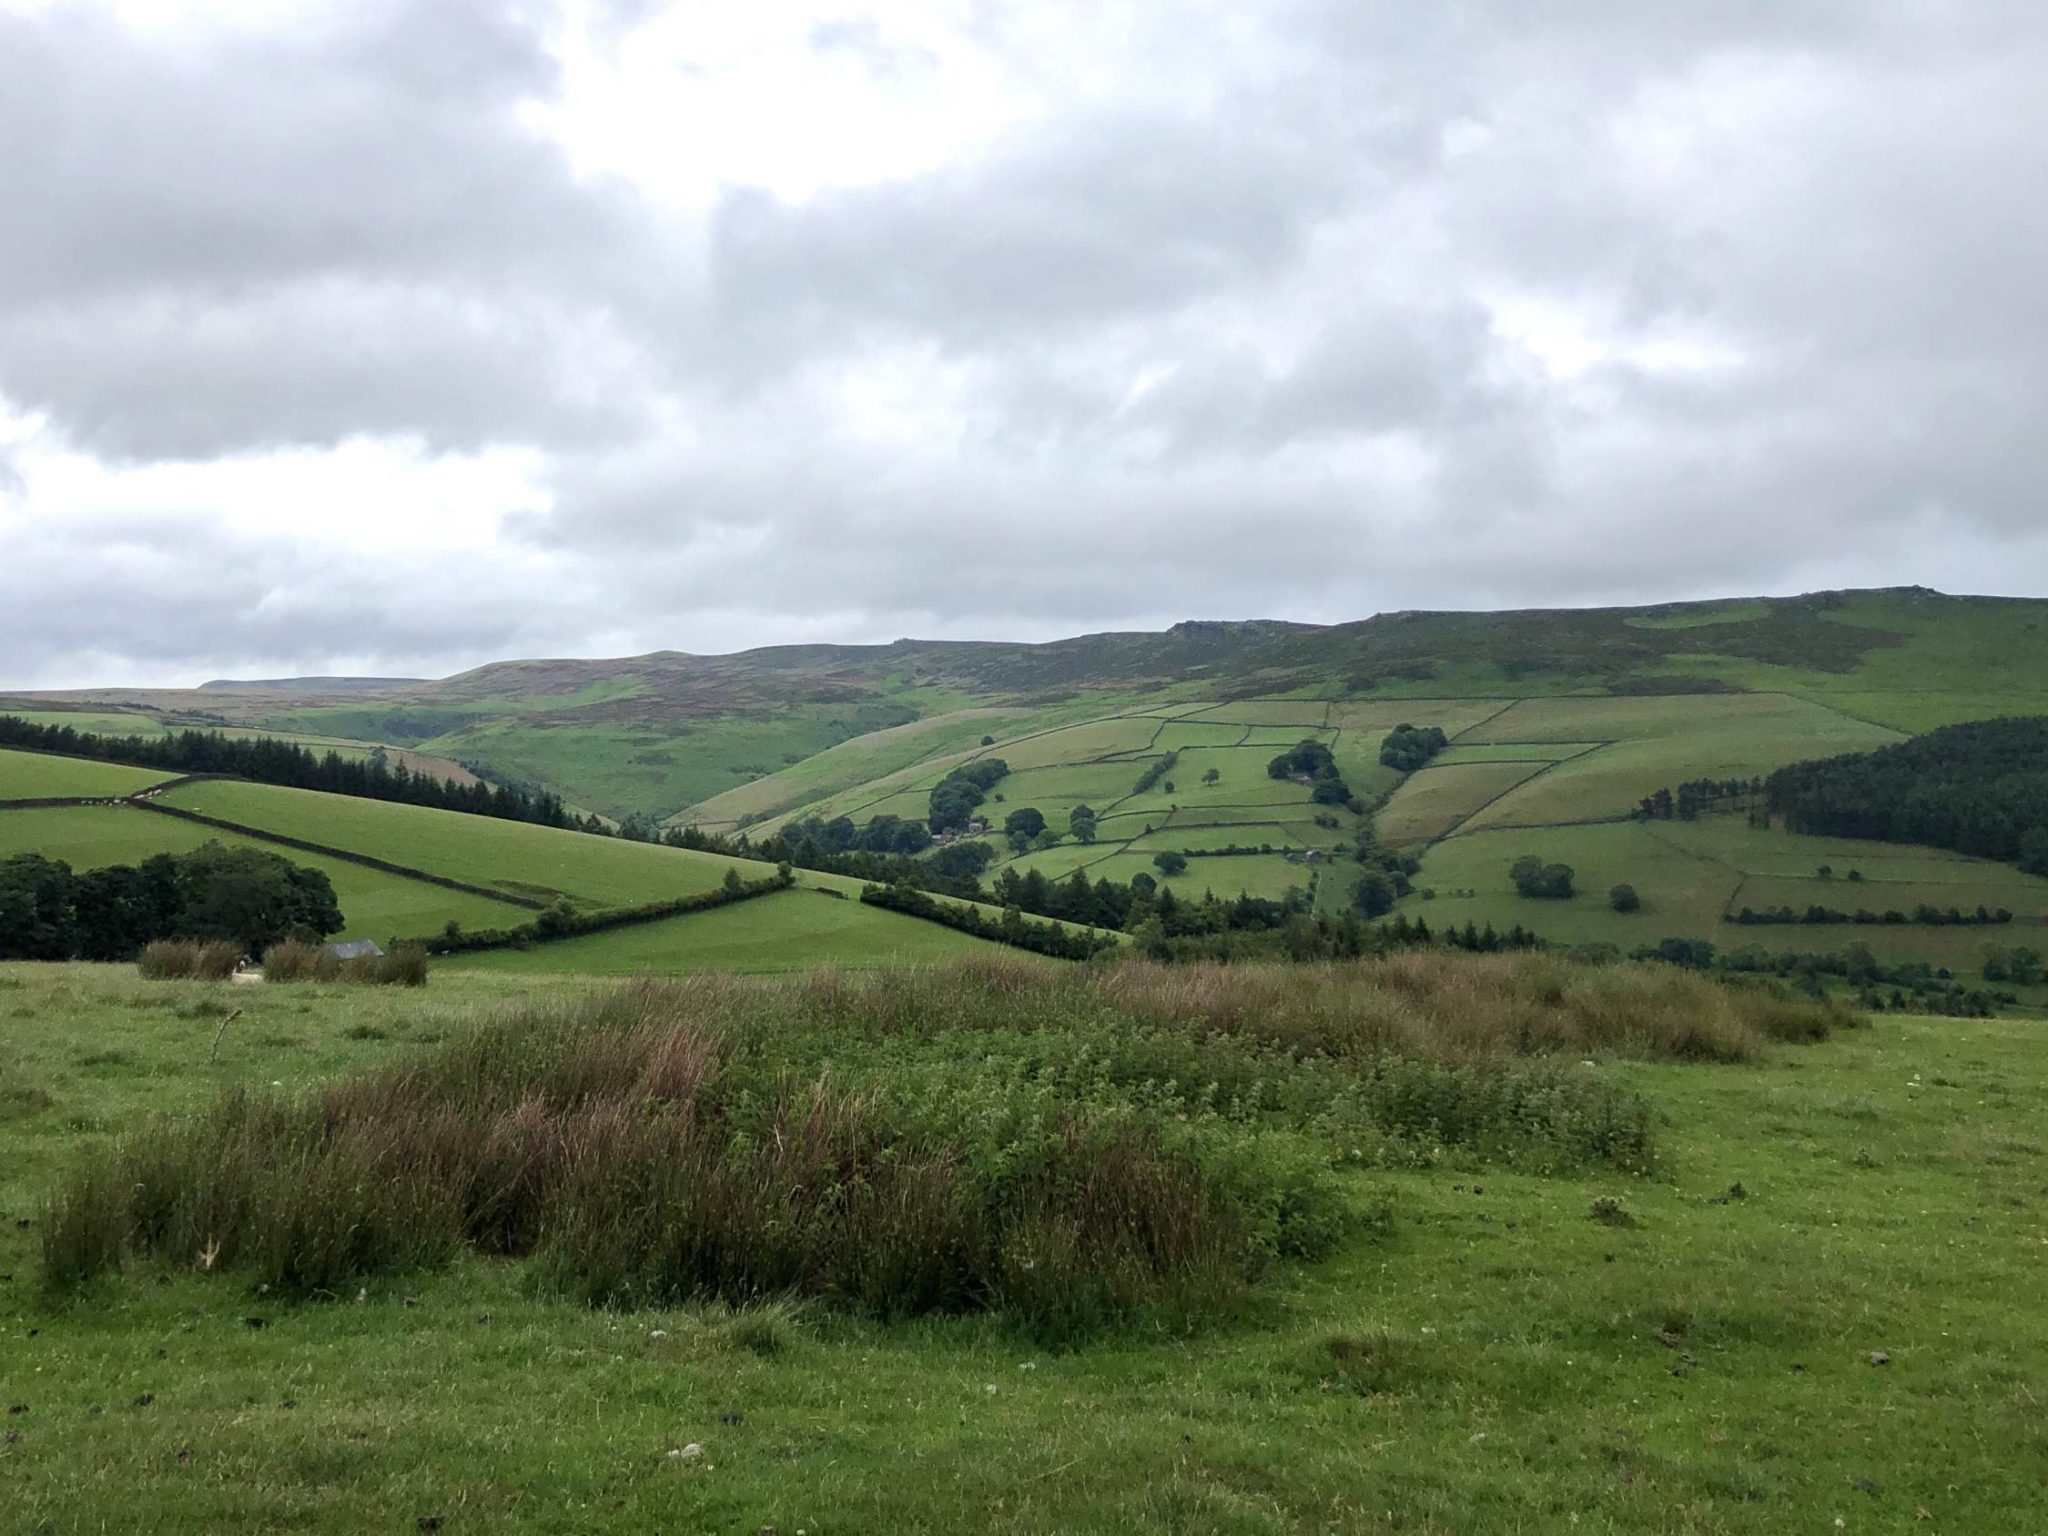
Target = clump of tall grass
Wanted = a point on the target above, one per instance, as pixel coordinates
(290, 960)
(1475, 1008)
(189, 960)
(640, 1156)
(1066, 1150)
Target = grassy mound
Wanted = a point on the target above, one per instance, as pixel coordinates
(1069, 1153)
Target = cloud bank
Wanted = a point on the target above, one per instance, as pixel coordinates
(397, 337)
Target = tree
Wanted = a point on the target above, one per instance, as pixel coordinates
(36, 921)
(1212, 776)
(1534, 878)
(1081, 824)
(1623, 898)
(1170, 863)
(1022, 825)
(731, 884)
(988, 741)
(1375, 894)
(253, 898)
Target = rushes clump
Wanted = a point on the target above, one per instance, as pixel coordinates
(290, 960)
(189, 960)
(1069, 1153)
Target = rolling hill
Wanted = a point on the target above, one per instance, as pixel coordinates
(1559, 722)
(402, 871)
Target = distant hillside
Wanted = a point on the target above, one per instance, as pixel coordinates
(658, 734)
(308, 684)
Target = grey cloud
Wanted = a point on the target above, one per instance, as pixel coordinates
(293, 236)
(1234, 340)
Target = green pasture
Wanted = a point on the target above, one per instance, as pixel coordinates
(1375, 717)
(1181, 735)
(1682, 894)
(1689, 874)
(1435, 799)
(1286, 834)
(1917, 713)
(1732, 840)
(1512, 752)
(1228, 875)
(38, 776)
(513, 856)
(93, 722)
(1502, 1361)
(1309, 714)
(1077, 744)
(853, 764)
(788, 931)
(374, 904)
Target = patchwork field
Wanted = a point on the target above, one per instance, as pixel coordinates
(543, 862)
(1439, 798)
(36, 776)
(789, 931)
(376, 905)
(1690, 874)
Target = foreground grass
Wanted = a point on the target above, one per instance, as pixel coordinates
(1498, 1366)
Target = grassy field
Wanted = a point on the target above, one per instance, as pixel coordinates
(1436, 799)
(37, 776)
(506, 855)
(97, 722)
(1502, 1362)
(375, 905)
(1688, 874)
(789, 931)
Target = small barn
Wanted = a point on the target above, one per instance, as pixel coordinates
(355, 949)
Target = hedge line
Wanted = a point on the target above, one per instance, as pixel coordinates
(1013, 928)
(559, 922)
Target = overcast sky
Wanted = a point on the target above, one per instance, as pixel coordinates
(391, 337)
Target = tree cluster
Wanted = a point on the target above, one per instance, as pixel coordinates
(1548, 882)
(957, 796)
(1923, 916)
(244, 896)
(1154, 772)
(268, 760)
(884, 834)
(1013, 927)
(1696, 797)
(1310, 759)
(1979, 789)
(1407, 748)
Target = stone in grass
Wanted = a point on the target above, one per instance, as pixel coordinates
(1879, 1357)
(691, 1452)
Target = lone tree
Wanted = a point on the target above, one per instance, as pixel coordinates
(1170, 863)
(1081, 824)
(1212, 776)
(1623, 898)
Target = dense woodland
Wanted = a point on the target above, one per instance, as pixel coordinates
(241, 895)
(268, 760)
(1978, 789)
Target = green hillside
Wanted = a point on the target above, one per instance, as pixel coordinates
(526, 866)
(376, 905)
(1559, 722)
(760, 733)
(34, 776)
(790, 931)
